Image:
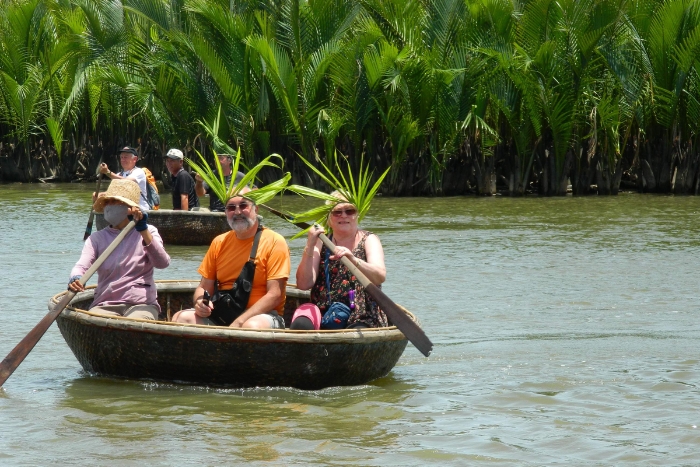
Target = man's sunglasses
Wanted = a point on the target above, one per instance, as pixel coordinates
(348, 212)
(233, 207)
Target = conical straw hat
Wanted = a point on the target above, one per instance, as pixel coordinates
(125, 190)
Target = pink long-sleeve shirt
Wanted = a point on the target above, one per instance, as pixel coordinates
(126, 276)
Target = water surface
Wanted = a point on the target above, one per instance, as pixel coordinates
(566, 333)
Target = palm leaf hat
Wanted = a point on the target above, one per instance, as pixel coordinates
(358, 191)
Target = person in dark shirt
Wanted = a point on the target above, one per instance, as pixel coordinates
(184, 195)
(201, 187)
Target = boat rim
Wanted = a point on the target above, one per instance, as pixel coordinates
(364, 335)
(178, 212)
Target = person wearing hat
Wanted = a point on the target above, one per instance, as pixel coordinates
(332, 284)
(245, 271)
(125, 285)
(201, 187)
(184, 195)
(127, 158)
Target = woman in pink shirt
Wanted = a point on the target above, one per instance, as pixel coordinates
(125, 285)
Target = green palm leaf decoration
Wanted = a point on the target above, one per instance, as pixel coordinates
(212, 131)
(217, 183)
(357, 191)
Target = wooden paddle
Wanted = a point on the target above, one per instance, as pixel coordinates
(401, 320)
(88, 228)
(21, 350)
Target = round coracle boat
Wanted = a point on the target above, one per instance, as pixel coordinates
(222, 356)
(182, 227)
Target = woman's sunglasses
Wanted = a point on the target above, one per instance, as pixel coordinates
(348, 212)
(233, 207)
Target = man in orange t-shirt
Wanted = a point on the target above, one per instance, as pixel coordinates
(223, 263)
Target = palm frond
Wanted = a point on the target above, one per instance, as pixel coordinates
(216, 180)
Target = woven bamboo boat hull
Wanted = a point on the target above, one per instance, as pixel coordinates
(219, 356)
(182, 227)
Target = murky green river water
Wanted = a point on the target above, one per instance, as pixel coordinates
(566, 332)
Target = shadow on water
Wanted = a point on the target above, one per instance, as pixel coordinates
(89, 392)
(262, 423)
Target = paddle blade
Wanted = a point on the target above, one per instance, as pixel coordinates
(21, 350)
(88, 228)
(401, 320)
(14, 358)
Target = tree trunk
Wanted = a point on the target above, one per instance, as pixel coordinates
(485, 175)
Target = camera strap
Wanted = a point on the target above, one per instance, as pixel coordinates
(230, 304)
(328, 276)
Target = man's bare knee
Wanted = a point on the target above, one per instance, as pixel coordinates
(256, 322)
(185, 316)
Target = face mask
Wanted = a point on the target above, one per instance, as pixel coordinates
(115, 213)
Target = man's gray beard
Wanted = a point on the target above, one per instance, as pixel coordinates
(240, 225)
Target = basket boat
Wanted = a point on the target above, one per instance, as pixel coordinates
(182, 227)
(221, 356)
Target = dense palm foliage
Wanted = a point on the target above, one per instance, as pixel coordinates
(454, 96)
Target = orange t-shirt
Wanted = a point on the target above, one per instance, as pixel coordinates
(227, 255)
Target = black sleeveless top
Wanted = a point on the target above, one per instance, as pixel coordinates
(342, 281)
